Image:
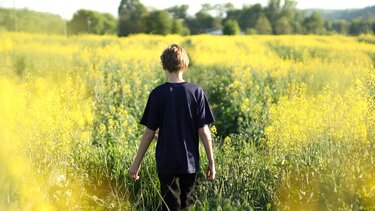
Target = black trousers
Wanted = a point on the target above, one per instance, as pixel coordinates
(177, 190)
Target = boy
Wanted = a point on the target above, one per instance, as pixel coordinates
(181, 112)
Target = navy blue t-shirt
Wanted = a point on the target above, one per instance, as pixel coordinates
(178, 110)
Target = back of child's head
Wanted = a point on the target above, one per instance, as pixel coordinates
(174, 58)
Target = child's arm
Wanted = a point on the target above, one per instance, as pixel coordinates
(205, 135)
(146, 139)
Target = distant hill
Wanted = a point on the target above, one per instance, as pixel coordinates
(31, 21)
(347, 14)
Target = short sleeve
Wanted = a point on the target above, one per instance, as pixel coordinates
(205, 115)
(150, 117)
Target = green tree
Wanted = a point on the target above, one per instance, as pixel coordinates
(30, 21)
(363, 25)
(7, 19)
(282, 26)
(206, 7)
(341, 26)
(281, 15)
(250, 31)
(314, 24)
(355, 27)
(159, 22)
(231, 27)
(289, 9)
(222, 9)
(178, 27)
(263, 25)
(109, 24)
(297, 23)
(87, 21)
(178, 12)
(131, 17)
(249, 16)
(202, 21)
(179, 15)
(234, 15)
(273, 9)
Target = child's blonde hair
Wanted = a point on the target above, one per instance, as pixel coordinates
(174, 58)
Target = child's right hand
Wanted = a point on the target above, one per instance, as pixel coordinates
(211, 172)
(133, 171)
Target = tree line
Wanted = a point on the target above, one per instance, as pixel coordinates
(30, 21)
(277, 17)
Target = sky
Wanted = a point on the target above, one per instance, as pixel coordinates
(66, 8)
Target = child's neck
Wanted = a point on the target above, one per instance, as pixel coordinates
(175, 77)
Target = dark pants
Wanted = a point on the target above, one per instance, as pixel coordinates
(177, 190)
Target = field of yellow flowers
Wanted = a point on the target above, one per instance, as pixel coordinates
(295, 122)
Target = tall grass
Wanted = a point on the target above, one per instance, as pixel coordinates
(295, 121)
